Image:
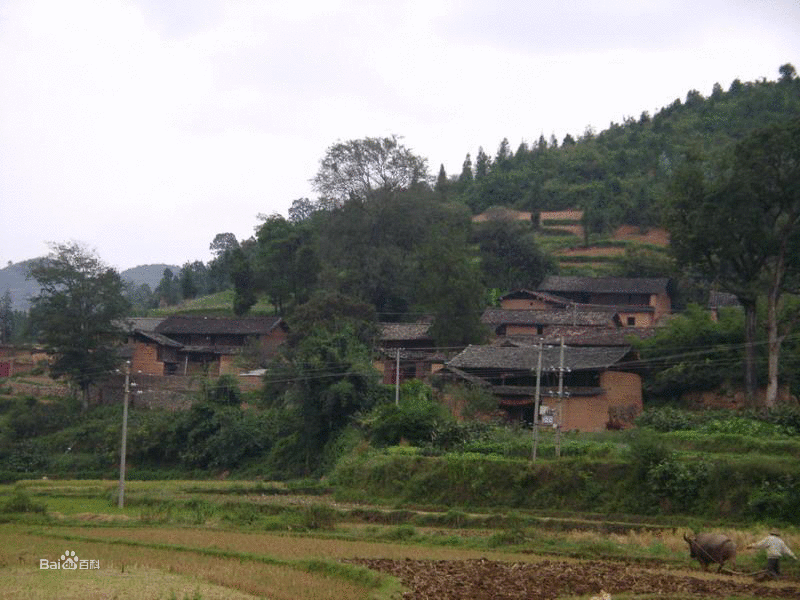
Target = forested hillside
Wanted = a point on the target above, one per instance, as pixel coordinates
(619, 175)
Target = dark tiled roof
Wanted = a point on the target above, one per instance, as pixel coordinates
(525, 358)
(536, 295)
(405, 331)
(722, 299)
(178, 324)
(597, 317)
(584, 336)
(615, 285)
(142, 323)
(158, 338)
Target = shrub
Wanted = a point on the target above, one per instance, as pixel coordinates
(318, 516)
(20, 502)
(416, 420)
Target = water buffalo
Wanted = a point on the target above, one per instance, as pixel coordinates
(710, 548)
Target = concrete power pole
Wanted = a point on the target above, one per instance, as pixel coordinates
(560, 399)
(124, 450)
(397, 380)
(536, 405)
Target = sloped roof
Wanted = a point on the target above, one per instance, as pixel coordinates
(525, 358)
(536, 295)
(157, 338)
(614, 285)
(405, 331)
(583, 336)
(722, 299)
(142, 323)
(181, 324)
(597, 316)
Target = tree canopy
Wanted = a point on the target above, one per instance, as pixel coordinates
(356, 169)
(79, 314)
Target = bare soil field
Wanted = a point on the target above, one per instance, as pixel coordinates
(655, 236)
(551, 579)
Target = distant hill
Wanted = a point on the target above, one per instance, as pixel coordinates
(14, 279)
(149, 274)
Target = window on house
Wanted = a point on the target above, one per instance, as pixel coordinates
(631, 321)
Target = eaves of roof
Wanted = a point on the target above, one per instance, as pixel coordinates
(525, 358)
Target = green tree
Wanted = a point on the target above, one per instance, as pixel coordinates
(244, 287)
(449, 288)
(712, 234)
(219, 267)
(510, 255)
(482, 164)
(442, 183)
(356, 169)
(167, 292)
(301, 209)
(6, 318)
(766, 175)
(140, 297)
(286, 264)
(466, 176)
(193, 280)
(743, 229)
(326, 374)
(78, 313)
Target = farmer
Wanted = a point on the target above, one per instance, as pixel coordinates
(775, 548)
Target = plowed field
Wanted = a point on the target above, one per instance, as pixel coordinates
(549, 580)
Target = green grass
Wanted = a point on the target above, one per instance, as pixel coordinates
(220, 304)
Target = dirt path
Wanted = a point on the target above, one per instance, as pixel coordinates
(548, 580)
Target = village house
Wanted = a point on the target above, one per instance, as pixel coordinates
(600, 390)
(412, 346)
(638, 302)
(191, 345)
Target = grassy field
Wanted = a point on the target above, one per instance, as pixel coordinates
(238, 539)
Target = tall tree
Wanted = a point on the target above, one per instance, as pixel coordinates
(244, 286)
(510, 255)
(6, 318)
(766, 175)
(193, 279)
(449, 288)
(742, 229)
(482, 164)
(219, 267)
(301, 210)
(466, 176)
(442, 183)
(167, 292)
(356, 169)
(702, 238)
(78, 313)
(286, 264)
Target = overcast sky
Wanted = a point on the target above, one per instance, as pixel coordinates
(143, 128)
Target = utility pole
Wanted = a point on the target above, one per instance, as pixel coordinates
(536, 405)
(397, 380)
(124, 449)
(560, 398)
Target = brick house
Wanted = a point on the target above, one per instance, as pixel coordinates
(412, 341)
(600, 391)
(549, 322)
(639, 302)
(191, 345)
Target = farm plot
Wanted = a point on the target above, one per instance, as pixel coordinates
(551, 580)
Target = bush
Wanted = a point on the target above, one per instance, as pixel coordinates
(318, 516)
(415, 420)
(20, 502)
